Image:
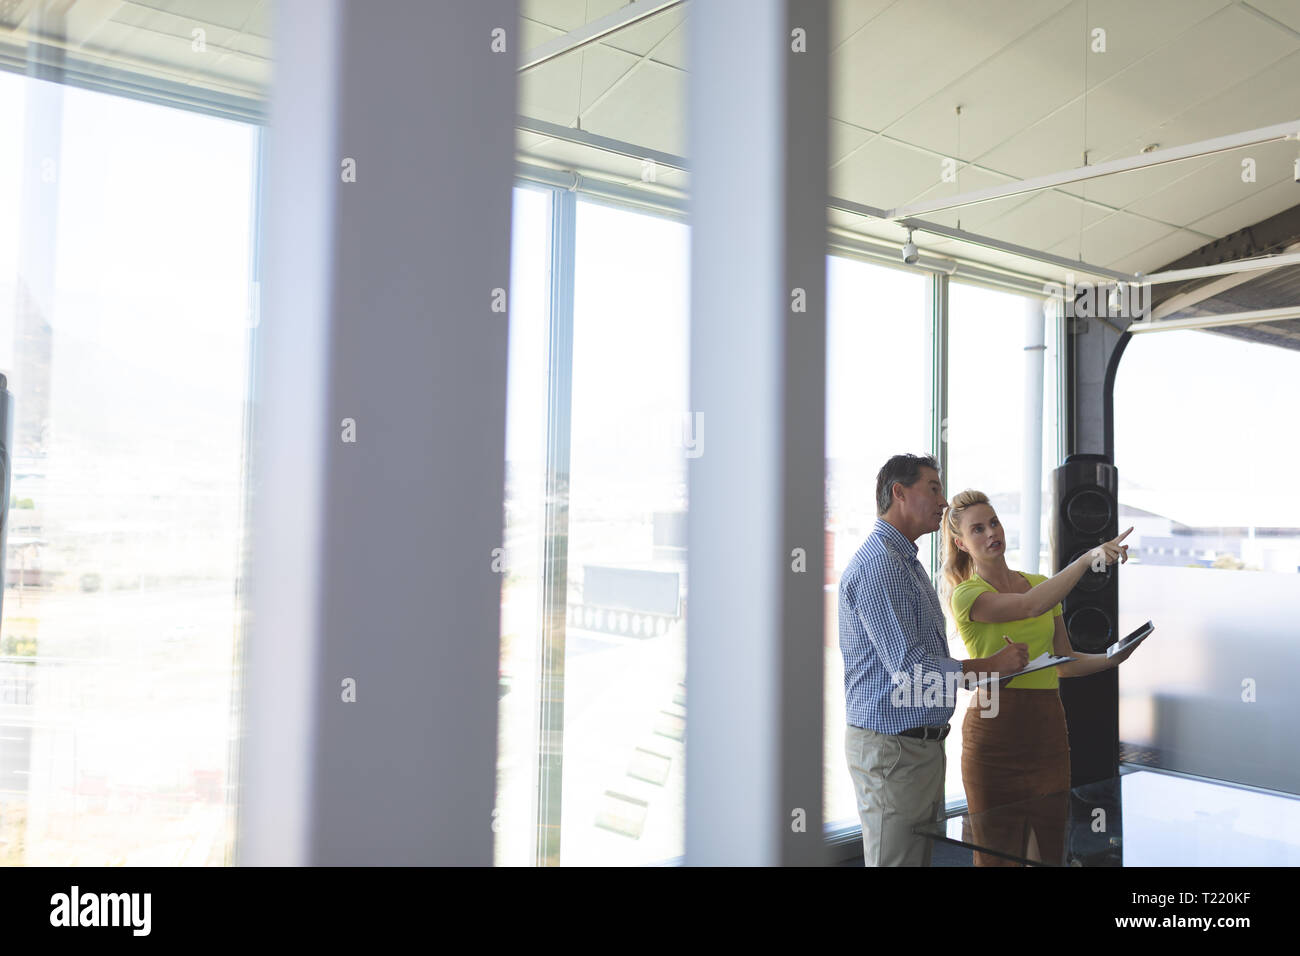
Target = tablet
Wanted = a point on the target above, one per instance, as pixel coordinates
(1137, 637)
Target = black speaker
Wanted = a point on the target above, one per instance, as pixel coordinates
(1087, 513)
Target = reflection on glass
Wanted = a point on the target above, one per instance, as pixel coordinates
(1141, 818)
(1076, 827)
(1173, 821)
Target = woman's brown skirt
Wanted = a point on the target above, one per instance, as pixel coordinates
(1020, 754)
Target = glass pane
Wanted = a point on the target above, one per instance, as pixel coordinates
(986, 404)
(877, 405)
(525, 507)
(1206, 456)
(125, 324)
(625, 651)
(1155, 819)
(986, 436)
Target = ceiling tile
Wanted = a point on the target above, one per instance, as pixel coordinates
(567, 15)
(844, 139)
(553, 87)
(1112, 238)
(1213, 182)
(1262, 99)
(641, 37)
(1050, 145)
(231, 14)
(534, 34)
(995, 97)
(1157, 253)
(886, 174)
(913, 50)
(649, 109)
(850, 16)
(1037, 221)
(673, 50)
(1285, 11)
(1216, 54)
(1133, 32)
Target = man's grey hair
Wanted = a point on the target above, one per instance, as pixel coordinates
(901, 468)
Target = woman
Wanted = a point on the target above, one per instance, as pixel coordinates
(1020, 751)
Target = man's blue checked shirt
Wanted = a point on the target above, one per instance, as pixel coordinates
(891, 622)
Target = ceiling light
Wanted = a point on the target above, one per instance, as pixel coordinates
(910, 253)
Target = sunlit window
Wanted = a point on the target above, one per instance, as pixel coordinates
(877, 406)
(1205, 452)
(591, 766)
(125, 326)
(987, 439)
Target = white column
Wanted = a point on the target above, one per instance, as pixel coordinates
(757, 143)
(1031, 485)
(372, 560)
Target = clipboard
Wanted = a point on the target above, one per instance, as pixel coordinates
(1040, 662)
(1131, 640)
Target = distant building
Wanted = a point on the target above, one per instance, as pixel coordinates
(30, 381)
(1159, 540)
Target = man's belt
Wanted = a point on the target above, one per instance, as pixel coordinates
(928, 733)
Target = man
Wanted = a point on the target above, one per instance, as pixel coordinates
(892, 629)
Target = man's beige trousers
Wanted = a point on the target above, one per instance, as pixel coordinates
(899, 783)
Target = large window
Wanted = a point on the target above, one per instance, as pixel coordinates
(594, 707)
(1205, 449)
(593, 711)
(125, 324)
(880, 368)
(987, 438)
(625, 663)
(988, 414)
(878, 387)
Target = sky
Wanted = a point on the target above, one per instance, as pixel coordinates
(151, 261)
(1205, 429)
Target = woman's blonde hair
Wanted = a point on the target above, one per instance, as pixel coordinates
(957, 564)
